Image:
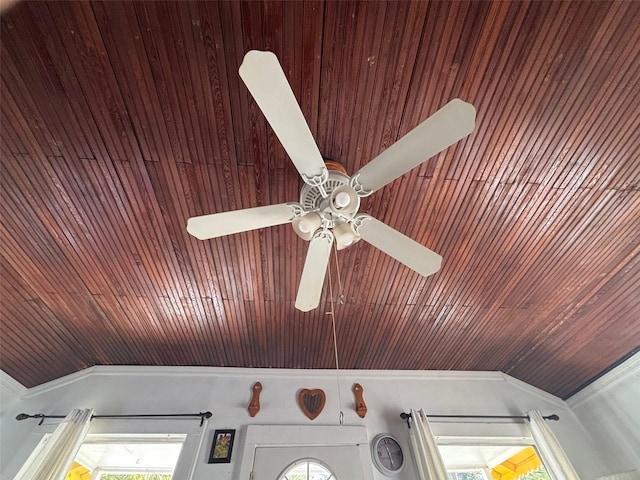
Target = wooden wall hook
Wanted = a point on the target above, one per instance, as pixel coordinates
(361, 407)
(254, 405)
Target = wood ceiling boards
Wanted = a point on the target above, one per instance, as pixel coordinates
(120, 120)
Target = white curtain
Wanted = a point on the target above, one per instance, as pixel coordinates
(551, 453)
(425, 449)
(53, 457)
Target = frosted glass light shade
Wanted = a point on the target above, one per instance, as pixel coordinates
(306, 225)
(345, 236)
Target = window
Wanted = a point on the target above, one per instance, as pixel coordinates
(523, 465)
(135, 476)
(492, 462)
(467, 475)
(127, 457)
(538, 474)
(307, 470)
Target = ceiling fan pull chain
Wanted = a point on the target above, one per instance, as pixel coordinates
(335, 346)
(340, 290)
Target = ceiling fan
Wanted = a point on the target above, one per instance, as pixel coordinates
(329, 200)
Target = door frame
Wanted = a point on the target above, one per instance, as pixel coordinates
(300, 436)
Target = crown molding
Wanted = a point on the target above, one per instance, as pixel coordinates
(11, 385)
(59, 382)
(622, 372)
(535, 391)
(252, 373)
(11, 392)
(236, 372)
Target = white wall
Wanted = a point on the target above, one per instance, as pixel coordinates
(610, 406)
(227, 391)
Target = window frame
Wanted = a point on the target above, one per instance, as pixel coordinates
(137, 439)
(307, 460)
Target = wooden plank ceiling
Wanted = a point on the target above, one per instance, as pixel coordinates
(122, 120)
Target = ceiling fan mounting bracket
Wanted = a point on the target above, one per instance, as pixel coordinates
(317, 180)
(324, 234)
(296, 208)
(357, 221)
(360, 189)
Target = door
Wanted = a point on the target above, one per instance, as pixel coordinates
(342, 461)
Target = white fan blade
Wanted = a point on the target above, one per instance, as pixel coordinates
(399, 246)
(235, 221)
(263, 76)
(448, 125)
(315, 268)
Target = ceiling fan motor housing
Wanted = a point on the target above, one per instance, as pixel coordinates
(311, 197)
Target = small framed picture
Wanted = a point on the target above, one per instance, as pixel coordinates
(222, 446)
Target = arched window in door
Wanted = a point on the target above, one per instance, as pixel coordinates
(307, 469)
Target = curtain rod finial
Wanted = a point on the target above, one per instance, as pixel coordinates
(552, 417)
(406, 416)
(22, 416)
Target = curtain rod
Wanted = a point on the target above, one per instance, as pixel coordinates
(407, 416)
(200, 415)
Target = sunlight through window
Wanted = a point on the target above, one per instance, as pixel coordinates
(307, 470)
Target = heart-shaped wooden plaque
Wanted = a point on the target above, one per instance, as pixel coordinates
(311, 402)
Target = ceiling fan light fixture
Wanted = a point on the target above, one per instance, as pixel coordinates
(345, 236)
(306, 225)
(342, 199)
(345, 200)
